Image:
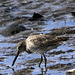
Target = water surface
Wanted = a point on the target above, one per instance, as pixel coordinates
(57, 15)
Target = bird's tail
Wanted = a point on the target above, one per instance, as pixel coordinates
(62, 38)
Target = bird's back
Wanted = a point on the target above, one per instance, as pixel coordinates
(42, 43)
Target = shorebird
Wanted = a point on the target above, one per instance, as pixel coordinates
(39, 44)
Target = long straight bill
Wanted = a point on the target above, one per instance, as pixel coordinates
(15, 58)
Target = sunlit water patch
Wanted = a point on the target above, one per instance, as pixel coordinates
(56, 24)
(6, 45)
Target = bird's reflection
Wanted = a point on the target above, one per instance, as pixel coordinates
(30, 70)
(44, 71)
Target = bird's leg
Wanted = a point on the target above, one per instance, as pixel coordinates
(45, 60)
(41, 60)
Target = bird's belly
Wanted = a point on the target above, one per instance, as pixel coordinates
(41, 50)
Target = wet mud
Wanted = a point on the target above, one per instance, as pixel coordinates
(17, 22)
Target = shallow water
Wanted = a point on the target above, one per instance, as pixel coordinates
(57, 15)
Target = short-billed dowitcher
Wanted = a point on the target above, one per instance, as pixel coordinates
(39, 44)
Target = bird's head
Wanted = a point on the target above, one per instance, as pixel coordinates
(20, 48)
